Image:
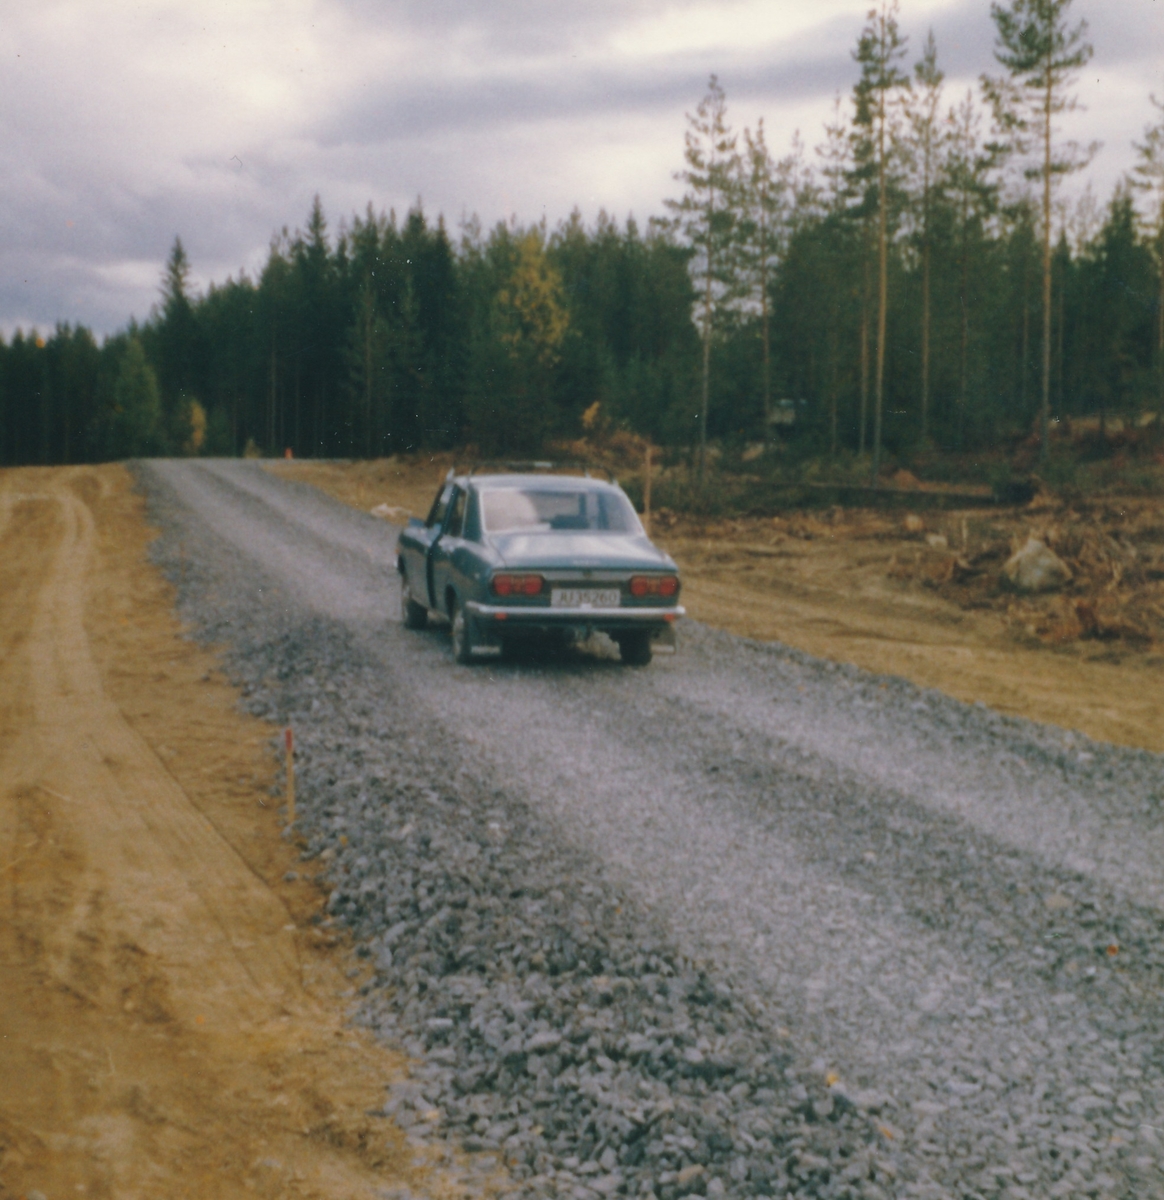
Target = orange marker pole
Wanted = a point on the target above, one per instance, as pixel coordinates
(289, 741)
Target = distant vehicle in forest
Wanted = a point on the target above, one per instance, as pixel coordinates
(513, 556)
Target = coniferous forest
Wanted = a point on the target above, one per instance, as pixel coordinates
(926, 277)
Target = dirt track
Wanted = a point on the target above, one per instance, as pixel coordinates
(171, 1024)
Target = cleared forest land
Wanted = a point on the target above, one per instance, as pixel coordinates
(909, 594)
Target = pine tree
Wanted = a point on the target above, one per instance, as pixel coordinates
(704, 218)
(839, 172)
(1149, 179)
(968, 182)
(763, 189)
(927, 146)
(880, 47)
(1042, 55)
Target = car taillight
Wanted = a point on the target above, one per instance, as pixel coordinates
(517, 585)
(654, 585)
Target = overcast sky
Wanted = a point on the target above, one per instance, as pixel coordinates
(126, 124)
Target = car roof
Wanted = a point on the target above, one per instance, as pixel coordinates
(539, 481)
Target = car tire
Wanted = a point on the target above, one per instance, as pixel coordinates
(635, 648)
(464, 635)
(412, 614)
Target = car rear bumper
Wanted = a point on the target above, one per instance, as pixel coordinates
(556, 618)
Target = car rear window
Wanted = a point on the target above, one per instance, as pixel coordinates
(546, 510)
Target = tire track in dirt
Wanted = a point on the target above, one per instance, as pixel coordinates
(142, 835)
(166, 1026)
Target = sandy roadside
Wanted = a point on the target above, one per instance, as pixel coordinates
(171, 1022)
(834, 595)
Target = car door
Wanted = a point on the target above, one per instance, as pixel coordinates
(434, 527)
(444, 548)
(416, 543)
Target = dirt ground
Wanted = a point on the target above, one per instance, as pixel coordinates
(171, 1020)
(911, 594)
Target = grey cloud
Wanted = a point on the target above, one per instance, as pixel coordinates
(965, 40)
(1122, 33)
(510, 26)
(38, 290)
(1125, 34)
(800, 68)
(72, 157)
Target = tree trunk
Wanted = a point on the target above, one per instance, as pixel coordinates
(1160, 324)
(864, 377)
(1024, 344)
(832, 373)
(1061, 397)
(765, 337)
(864, 359)
(882, 295)
(297, 432)
(270, 430)
(964, 363)
(1045, 411)
(925, 390)
(705, 390)
(368, 323)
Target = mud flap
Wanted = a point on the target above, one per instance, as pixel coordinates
(663, 640)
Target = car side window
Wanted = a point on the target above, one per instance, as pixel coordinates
(457, 520)
(440, 506)
(472, 531)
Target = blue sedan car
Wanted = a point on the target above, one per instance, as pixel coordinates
(506, 557)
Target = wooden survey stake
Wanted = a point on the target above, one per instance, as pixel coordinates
(289, 740)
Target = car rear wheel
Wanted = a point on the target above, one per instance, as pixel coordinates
(414, 615)
(464, 635)
(635, 647)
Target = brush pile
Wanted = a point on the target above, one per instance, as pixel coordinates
(1113, 588)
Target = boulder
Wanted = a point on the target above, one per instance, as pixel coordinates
(1036, 568)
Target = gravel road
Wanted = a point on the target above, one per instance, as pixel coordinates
(744, 923)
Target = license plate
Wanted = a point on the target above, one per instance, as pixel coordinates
(584, 598)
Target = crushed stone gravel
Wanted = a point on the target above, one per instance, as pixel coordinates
(742, 924)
